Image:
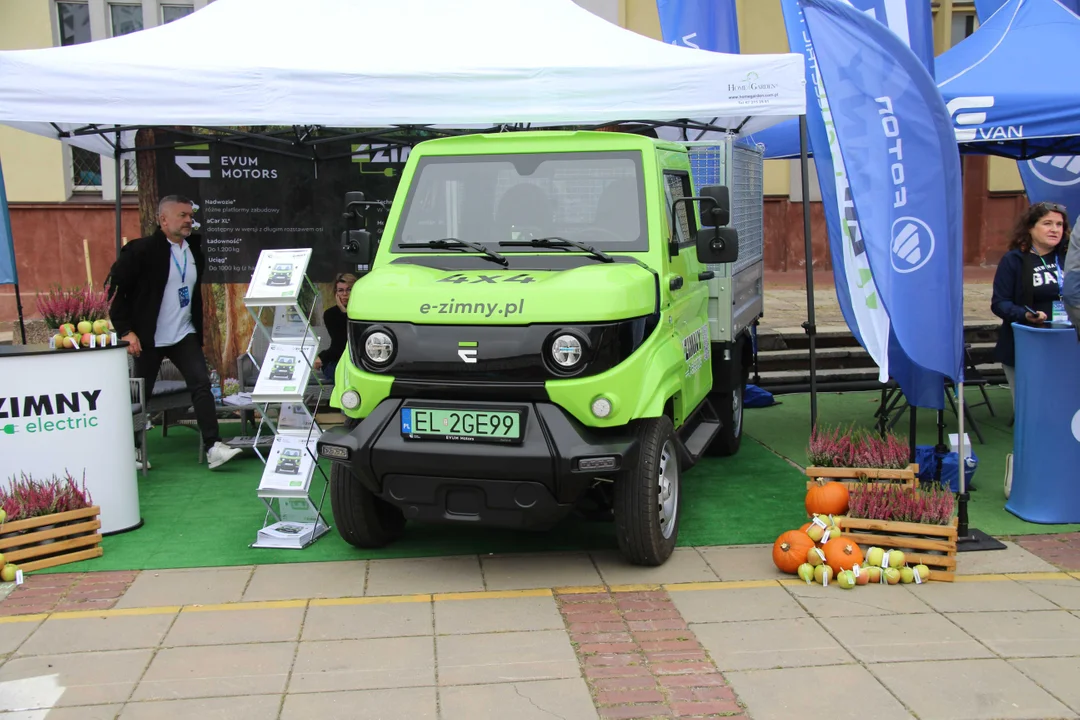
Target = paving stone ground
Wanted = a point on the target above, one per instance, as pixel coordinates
(714, 633)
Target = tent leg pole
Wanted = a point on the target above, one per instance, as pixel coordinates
(119, 194)
(912, 426)
(18, 305)
(810, 326)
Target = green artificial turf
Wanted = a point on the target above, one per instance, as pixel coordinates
(197, 518)
(785, 429)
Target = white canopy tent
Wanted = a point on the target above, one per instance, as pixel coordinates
(372, 63)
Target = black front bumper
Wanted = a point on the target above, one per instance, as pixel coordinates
(532, 484)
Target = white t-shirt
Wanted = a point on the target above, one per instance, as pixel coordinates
(174, 321)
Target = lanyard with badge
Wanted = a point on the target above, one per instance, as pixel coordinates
(1058, 315)
(185, 291)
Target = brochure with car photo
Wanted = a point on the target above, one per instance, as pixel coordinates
(284, 373)
(278, 278)
(289, 466)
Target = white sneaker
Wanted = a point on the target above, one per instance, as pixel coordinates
(220, 454)
(140, 460)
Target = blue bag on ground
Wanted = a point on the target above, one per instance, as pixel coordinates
(755, 397)
(950, 467)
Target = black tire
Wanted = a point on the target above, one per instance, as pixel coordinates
(363, 520)
(647, 518)
(729, 408)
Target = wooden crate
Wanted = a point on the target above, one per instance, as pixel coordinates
(930, 545)
(908, 476)
(77, 536)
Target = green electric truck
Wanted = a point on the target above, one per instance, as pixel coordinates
(552, 320)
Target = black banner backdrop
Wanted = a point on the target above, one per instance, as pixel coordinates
(251, 199)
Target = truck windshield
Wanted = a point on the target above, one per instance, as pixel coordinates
(588, 197)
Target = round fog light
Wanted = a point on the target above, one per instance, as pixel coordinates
(601, 407)
(566, 351)
(350, 399)
(379, 347)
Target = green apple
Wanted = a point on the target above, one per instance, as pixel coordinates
(923, 572)
(101, 326)
(892, 576)
(3, 517)
(816, 557)
(896, 559)
(874, 573)
(874, 555)
(84, 327)
(58, 340)
(846, 579)
(8, 573)
(823, 574)
(907, 575)
(69, 342)
(806, 572)
(103, 340)
(67, 329)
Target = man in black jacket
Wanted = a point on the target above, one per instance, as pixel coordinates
(157, 309)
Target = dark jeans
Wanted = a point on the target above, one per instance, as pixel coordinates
(187, 356)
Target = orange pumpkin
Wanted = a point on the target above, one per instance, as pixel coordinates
(827, 498)
(789, 550)
(842, 553)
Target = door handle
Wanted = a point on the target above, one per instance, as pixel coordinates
(676, 282)
(707, 275)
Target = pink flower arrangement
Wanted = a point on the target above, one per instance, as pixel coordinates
(891, 501)
(856, 448)
(60, 305)
(26, 498)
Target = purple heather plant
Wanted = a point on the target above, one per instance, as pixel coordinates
(856, 447)
(27, 498)
(892, 501)
(71, 305)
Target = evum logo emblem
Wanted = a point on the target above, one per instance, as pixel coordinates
(912, 244)
(1059, 170)
(467, 352)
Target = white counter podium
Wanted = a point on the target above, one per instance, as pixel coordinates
(69, 411)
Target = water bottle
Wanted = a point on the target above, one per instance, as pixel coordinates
(215, 385)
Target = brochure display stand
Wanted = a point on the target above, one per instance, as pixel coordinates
(280, 284)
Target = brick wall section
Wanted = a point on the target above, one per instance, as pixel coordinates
(641, 660)
(67, 591)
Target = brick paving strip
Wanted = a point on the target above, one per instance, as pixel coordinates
(1062, 549)
(64, 592)
(641, 660)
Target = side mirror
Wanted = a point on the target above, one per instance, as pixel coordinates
(352, 200)
(716, 213)
(361, 244)
(717, 245)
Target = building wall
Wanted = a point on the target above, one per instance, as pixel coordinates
(33, 165)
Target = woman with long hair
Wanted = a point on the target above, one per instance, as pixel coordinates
(1027, 285)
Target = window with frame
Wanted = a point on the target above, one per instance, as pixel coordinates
(125, 19)
(963, 25)
(677, 185)
(174, 12)
(73, 20)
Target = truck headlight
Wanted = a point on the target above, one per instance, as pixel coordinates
(379, 347)
(566, 351)
(350, 399)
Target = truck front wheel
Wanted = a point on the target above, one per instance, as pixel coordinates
(729, 407)
(363, 520)
(647, 496)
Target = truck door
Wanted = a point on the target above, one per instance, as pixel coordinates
(689, 297)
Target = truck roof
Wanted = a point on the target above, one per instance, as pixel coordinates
(527, 141)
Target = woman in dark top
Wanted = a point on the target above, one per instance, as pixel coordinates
(336, 320)
(1029, 278)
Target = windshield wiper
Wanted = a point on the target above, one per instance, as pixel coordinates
(559, 242)
(455, 244)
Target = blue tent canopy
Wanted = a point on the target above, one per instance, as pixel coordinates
(1013, 86)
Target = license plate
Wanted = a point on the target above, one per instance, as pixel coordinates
(463, 425)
